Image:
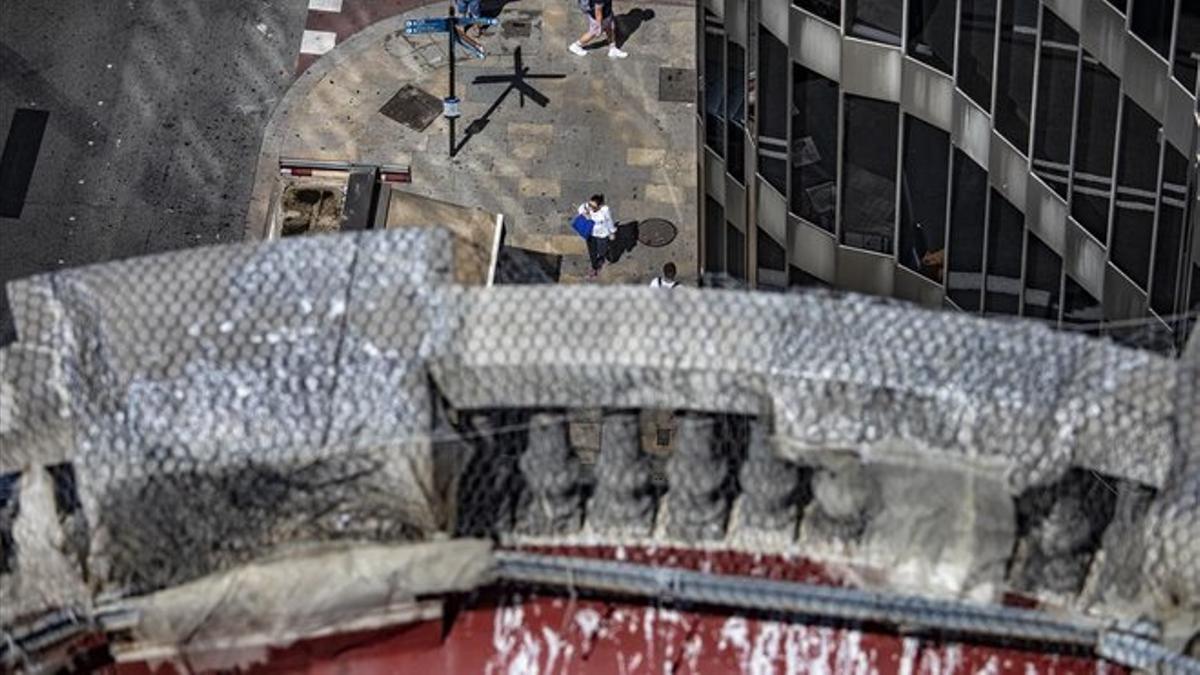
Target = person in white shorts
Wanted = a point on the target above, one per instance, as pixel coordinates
(600, 22)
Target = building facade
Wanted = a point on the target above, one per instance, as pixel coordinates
(1005, 157)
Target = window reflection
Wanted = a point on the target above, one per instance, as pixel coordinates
(714, 83)
(1151, 21)
(1043, 277)
(1081, 310)
(1168, 244)
(772, 131)
(1095, 133)
(1006, 229)
(735, 163)
(830, 10)
(931, 32)
(923, 182)
(772, 262)
(976, 36)
(814, 147)
(714, 236)
(869, 173)
(1055, 103)
(1014, 70)
(1137, 183)
(1187, 45)
(735, 252)
(968, 209)
(877, 20)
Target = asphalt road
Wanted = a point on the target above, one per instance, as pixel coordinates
(156, 114)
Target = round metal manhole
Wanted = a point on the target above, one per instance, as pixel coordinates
(656, 232)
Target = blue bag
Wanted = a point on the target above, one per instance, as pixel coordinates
(582, 225)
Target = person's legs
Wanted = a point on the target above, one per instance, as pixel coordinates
(594, 31)
(593, 247)
(601, 253)
(610, 30)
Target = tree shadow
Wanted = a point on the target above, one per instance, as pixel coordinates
(625, 240)
(629, 22)
(516, 82)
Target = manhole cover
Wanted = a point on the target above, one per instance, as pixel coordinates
(413, 107)
(655, 232)
(516, 28)
(677, 85)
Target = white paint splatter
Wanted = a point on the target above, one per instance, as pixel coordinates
(908, 658)
(588, 621)
(766, 648)
(736, 632)
(850, 656)
(554, 647)
(526, 660)
(992, 667)
(1030, 669)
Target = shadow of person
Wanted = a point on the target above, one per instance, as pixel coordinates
(625, 240)
(629, 22)
(491, 9)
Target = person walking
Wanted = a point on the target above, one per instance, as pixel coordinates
(604, 230)
(666, 279)
(600, 22)
(469, 9)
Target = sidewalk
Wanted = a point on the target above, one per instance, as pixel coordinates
(603, 129)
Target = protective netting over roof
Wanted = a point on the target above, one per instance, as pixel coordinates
(172, 417)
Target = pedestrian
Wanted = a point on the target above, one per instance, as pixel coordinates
(600, 22)
(666, 279)
(604, 230)
(469, 9)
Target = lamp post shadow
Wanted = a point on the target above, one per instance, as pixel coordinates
(516, 82)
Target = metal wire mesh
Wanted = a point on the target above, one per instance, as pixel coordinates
(172, 417)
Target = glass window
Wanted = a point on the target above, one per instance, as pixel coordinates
(798, 278)
(772, 129)
(869, 178)
(830, 10)
(1055, 103)
(714, 239)
(931, 32)
(877, 20)
(1119, 4)
(1168, 245)
(1151, 21)
(1014, 70)
(735, 252)
(1097, 128)
(968, 208)
(976, 37)
(923, 183)
(735, 163)
(1043, 276)
(1187, 44)
(1006, 232)
(1081, 310)
(714, 83)
(772, 262)
(814, 147)
(1137, 183)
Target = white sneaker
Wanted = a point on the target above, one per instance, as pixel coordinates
(577, 49)
(614, 53)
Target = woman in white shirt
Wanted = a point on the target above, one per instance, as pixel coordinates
(604, 230)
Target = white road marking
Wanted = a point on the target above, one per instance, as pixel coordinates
(317, 41)
(325, 5)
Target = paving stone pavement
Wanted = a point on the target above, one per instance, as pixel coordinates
(603, 128)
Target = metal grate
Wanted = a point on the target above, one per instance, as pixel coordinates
(656, 232)
(413, 107)
(677, 85)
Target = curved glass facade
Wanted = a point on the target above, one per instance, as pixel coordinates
(1029, 158)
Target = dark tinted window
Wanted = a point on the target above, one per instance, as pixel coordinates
(877, 20)
(1187, 44)
(772, 261)
(1119, 4)
(798, 278)
(976, 37)
(1055, 102)
(1097, 129)
(1014, 70)
(1006, 230)
(814, 147)
(1151, 21)
(1081, 310)
(714, 236)
(931, 32)
(1168, 244)
(1137, 185)
(968, 209)
(714, 83)
(735, 163)
(1043, 277)
(830, 10)
(772, 129)
(869, 174)
(735, 252)
(923, 184)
